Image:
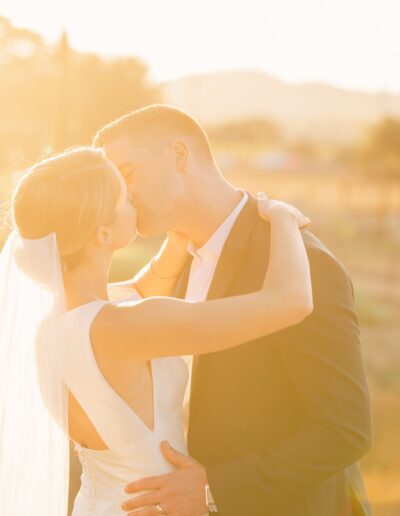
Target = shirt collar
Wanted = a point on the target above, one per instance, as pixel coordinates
(213, 247)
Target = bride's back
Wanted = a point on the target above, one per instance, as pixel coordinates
(131, 379)
(114, 441)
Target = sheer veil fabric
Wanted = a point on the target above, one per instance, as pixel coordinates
(34, 445)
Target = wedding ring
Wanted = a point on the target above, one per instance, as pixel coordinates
(159, 509)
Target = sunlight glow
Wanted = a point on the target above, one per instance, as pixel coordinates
(351, 43)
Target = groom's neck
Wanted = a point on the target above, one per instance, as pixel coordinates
(210, 206)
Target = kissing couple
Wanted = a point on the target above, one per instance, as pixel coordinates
(279, 403)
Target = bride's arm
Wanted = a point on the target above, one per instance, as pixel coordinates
(159, 275)
(159, 327)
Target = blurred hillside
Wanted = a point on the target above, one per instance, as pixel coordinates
(315, 111)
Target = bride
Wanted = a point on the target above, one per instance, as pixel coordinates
(76, 364)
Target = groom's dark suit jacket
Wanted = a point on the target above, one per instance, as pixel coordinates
(278, 421)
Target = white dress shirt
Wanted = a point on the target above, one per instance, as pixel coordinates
(205, 258)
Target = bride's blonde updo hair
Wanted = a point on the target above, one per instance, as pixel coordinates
(71, 194)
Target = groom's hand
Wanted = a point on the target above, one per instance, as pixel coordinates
(181, 493)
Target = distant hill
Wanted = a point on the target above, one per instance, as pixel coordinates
(311, 109)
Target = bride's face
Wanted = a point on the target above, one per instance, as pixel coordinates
(122, 230)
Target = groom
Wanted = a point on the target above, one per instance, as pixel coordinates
(276, 425)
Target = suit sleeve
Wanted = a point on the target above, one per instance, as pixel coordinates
(323, 362)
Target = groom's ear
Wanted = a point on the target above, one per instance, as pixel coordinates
(180, 155)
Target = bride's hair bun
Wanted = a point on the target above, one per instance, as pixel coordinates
(71, 194)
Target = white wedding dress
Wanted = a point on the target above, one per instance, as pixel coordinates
(133, 449)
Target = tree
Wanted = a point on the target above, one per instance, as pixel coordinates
(52, 97)
(381, 152)
(18, 43)
(102, 90)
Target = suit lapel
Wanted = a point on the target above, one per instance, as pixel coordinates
(233, 251)
(230, 261)
(181, 284)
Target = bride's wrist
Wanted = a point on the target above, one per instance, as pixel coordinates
(168, 262)
(176, 245)
(281, 215)
(162, 274)
(177, 239)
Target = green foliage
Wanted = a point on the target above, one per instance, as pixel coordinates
(381, 152)
(55, 97)
(369, 309)
(385, 137)
(128, 261)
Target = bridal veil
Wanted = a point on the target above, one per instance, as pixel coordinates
(34, 459)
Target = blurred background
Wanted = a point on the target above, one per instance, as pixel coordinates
(301, 99)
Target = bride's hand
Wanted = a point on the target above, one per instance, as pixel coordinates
(267, 208)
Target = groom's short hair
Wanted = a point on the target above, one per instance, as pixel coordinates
(153, 123)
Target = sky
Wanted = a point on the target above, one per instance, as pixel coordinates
(348, 43)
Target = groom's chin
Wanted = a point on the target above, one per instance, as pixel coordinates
(146, 231)
(149, 230)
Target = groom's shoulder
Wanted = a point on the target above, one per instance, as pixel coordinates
(317, 249)
(314, 244)
(320, 256)
(324, 264)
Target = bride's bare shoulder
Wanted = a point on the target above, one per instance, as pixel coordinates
(113, 322)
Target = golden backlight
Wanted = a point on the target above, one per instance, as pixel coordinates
(351, 43)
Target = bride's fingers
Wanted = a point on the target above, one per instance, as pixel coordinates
(262, 195)
(266, 206)
(303, 221)
(263, 205)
